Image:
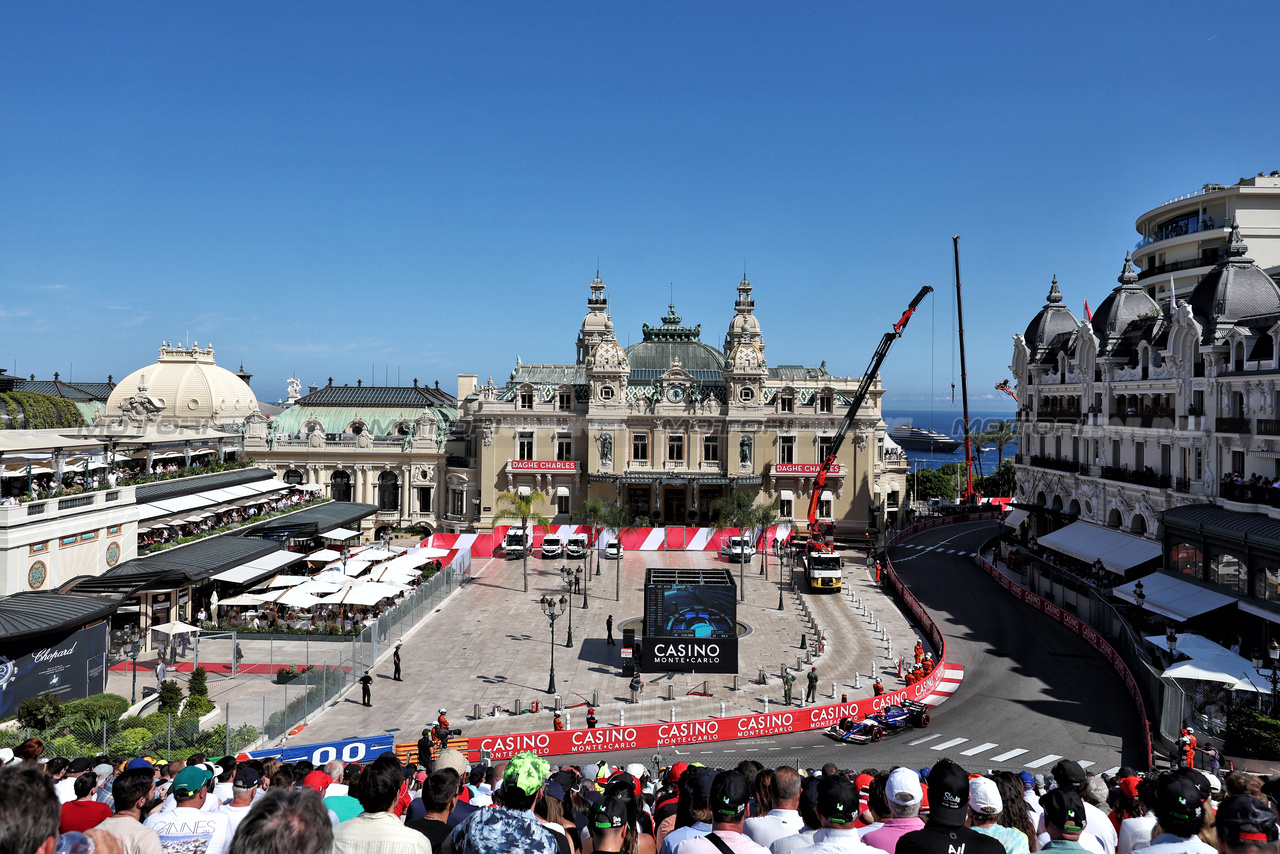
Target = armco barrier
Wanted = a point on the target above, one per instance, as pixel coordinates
(1086, 632)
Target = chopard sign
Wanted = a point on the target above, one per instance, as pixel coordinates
(51, 654)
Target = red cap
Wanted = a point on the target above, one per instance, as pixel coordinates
(317, 780)
(1129, 787)
(678, 769)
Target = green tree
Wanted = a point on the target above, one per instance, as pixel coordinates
(1002, 482)
(170, 696)
(524, 508)
(766, 518)
(1001, 434)
(737, 510)
(931, 483)
(198, 685)
(591, 514)
(40, 712)
(621, 518)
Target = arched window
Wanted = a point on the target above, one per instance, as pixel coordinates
(1074, 507)
(1138, 525)
(1228, 571)
(1057, 503)
(1266, 584)
(388, 491)
(356, 428)
(340, 486)
(1186, 558)
(293, 476)
(1041, 500)
(1113, 519)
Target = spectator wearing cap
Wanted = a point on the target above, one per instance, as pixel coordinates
(1246, 825)
(66, 787)
(876, 807)
(439, 795)
(244, 788)
(607, 825)
(286, 821)
(1068, 774)
(696, 781)
(784, 819)
(377, 830)
(511, 827)
(461, 810)
(106, 776)
(945, 831)
(1064, 820)
(189, 823)
(838, 810)
(85, 811)
(224, 776)
(1031, 797)
(904, 795)
(730, 794)
(667, 806)
(1180, 811)
(132, 791)
(210, 803)
(985, 807)
(1135, 832)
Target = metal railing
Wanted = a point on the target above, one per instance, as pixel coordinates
(1233, 425)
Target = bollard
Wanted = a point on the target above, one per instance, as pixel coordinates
(808, 658)
(622, 717)
(856, 684)
(568, 720)
(803, 638)
(735, 681)
(556, 706)
(799, 663)
(671, 691)
(844, 698)
(721, 709)
(475, 712)
(833, 690)
(766, 705)
(595, 697)
(763, 677)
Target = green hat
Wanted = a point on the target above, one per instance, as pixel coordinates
(190, 781)
(526, 772)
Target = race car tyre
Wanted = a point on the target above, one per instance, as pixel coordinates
(924, 720)
(877, 734)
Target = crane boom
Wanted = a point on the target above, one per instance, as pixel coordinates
(822, 534)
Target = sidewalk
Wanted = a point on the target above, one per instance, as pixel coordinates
(489, 644)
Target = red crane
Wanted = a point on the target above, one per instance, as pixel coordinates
(822, 534)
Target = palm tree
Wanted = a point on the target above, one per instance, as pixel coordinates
(1001, 434)
(620, 518)
(591, 514)
(736, 510)
(766, 518)
(524, 508)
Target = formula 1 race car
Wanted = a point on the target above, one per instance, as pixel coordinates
(856, 732)
(906, 715)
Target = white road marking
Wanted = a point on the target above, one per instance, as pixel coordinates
(1005, 757)
(1110, 772)
(949, 744)
(974, 751)
(924, 739)
(1044, 760)
(1085, 764)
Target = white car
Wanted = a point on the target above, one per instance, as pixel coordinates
(576, 545)
(613, 550)
(551, 546)
(737, 547)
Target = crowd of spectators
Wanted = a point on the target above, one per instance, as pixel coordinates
(264, 806)
(172, 530)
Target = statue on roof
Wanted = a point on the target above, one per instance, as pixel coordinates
(295, 389)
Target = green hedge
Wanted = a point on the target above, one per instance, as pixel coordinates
(98, 706)
(1252, 735)
(38, 411)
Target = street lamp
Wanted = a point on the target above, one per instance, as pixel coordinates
(1273, 650)
(1171, 641)
(132, 649)
(553, 608)
(571, 577)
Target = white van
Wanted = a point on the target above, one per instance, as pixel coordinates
(575, 546)
(551, 546)
(516, 542)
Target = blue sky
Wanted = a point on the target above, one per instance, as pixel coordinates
(417, 190)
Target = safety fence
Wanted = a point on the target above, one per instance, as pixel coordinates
(668, 538)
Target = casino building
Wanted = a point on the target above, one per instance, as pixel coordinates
(668, 425)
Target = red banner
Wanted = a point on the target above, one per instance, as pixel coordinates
(804, 468)
(543, 465)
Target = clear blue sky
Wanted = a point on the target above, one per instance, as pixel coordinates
(423, 189)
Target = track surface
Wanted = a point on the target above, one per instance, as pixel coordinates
(1033, 692)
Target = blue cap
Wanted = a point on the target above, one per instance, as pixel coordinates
(138, 763)
(1028, 781)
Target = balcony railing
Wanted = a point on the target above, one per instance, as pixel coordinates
(1233, 425)
(1058, 464)
(1146, 477)
(1249, 494)
(1268, 427)
(1182, 484)
(1179, 231)
(1174, 266)
(1059, 416)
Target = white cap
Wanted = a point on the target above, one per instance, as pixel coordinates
(635, 769)
(984, 796)
(441, 712)
(1214, 783)
(903, 787)
(103, 771)
(399, 641)
(6, 755)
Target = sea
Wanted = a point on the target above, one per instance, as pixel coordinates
(951, 422)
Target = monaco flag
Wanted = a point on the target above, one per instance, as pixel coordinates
(1088, 315)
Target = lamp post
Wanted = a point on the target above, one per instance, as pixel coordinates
(135, 647)
(1273, 651)
(570, 578)
(1171, 641)
(1139, 597)
(553, 608)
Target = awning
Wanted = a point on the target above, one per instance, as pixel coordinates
(257, 568)
(523, 491)
(1258, 610)
(1207, 661)
(786, 495)
(340, 534)
(309, 487)
(1016, 517)
(1169, 595)
(826, 495)
(325, 555)
(1089, 543)
(562, 490)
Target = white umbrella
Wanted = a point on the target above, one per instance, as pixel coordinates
(317, 588)
(175, 628)
(332, 578)
(430, 552)
(393, 574)
(243, 599)
(325, 555)
(309, 487)
(354, 567)
(213, 606)
(294, 599)
(286, 581)
(367, 593)
(375, 554)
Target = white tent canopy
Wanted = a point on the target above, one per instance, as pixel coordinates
(286, 581)
(175, 628)
(325, 555)
(1117, 551)
(340, 534)
(367, 593)
(243, 599)
(294, 598)
(1015, 517)
(1211, 662)
(1168, 594)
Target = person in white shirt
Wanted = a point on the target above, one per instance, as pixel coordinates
(337, 788)
(66, 787)
(377, 829)
(784, 819)
(188, 827)
(245, 786)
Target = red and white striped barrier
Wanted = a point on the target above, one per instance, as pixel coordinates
(671, 538)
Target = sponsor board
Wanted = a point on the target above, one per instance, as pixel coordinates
(350, 750)
(543, 465)
(804, 468)
(70, 666)
(689, 655)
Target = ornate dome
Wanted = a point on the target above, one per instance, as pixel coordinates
(1050, 322)
(1122, 306)
(1237, 288)
(184, 387)
(664, 344)
(596, 326)
(745, 327)
(608, 354)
